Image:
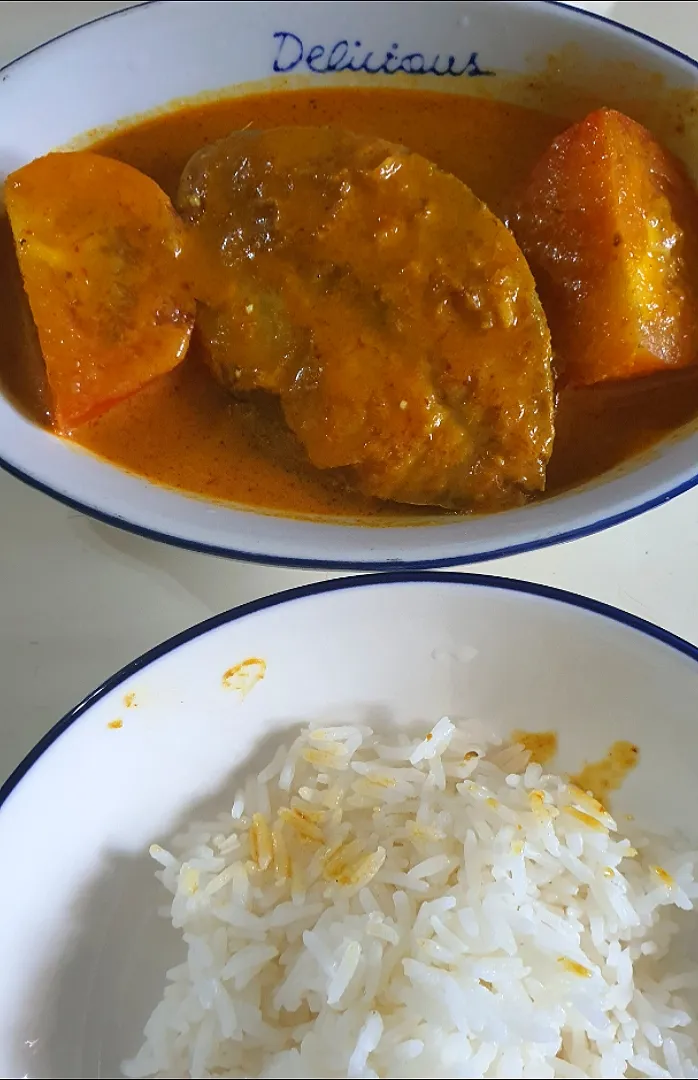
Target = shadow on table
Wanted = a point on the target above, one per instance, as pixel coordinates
(212, 581)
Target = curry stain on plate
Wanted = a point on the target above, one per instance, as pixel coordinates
(599, 778)
(588, 820)
(115, 725)
(244, 677)
(664, 876)
(130, 700)
(604, 776)
(541, 745)
(574, 968)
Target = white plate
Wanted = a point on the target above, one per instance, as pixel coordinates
(82, 955)
(142, 58)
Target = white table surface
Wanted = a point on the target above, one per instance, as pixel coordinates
(79, 599)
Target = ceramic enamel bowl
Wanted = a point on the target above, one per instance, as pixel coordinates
(83, 951)
(138, 60)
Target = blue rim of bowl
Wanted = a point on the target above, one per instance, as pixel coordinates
(400, 577)
(264, 559)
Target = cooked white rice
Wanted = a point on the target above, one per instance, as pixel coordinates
(435, 907)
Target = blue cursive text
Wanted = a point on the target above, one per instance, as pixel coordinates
(344, 55)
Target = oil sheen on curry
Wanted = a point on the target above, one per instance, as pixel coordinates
(354, 302)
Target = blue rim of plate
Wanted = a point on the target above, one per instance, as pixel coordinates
(263, 559)
(400, 577)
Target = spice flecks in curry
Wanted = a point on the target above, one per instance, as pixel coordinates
(186, 432)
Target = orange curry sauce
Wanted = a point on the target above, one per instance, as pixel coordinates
(186, 432)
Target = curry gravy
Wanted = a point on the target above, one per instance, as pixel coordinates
(186, 432)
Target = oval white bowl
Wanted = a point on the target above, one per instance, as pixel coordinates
(142, 58)
(83, 953)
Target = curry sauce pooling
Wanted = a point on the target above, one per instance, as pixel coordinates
(185, 431)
